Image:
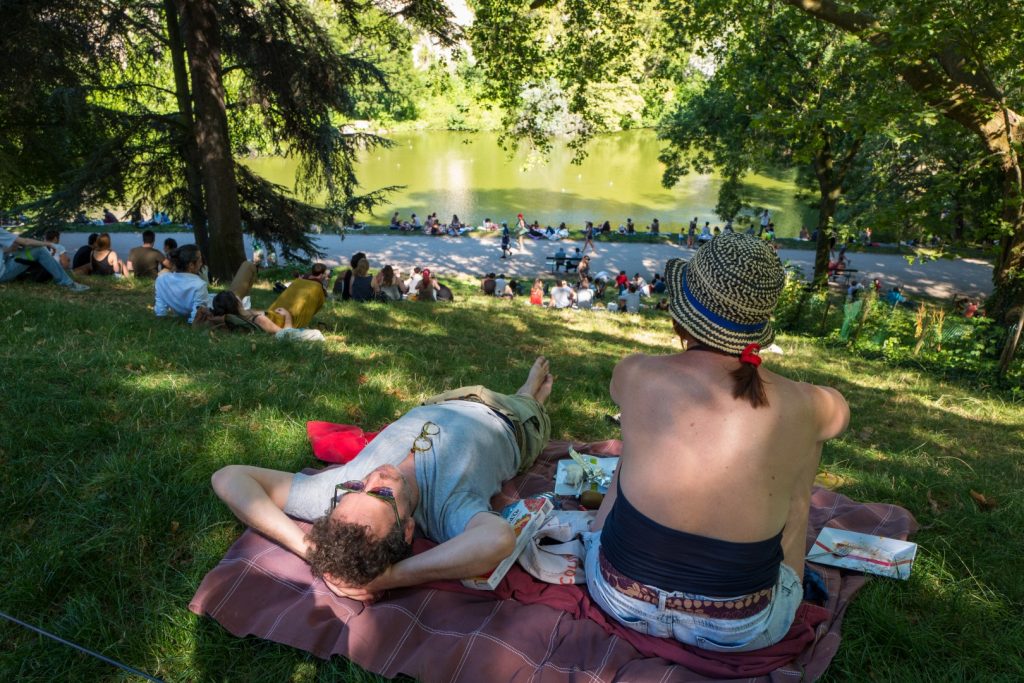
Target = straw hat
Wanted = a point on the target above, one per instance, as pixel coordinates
(724, 296)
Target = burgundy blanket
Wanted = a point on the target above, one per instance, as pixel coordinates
(525, 630)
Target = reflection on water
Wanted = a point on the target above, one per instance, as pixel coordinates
(469, 175)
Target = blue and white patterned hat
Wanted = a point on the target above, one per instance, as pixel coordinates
(724, 296)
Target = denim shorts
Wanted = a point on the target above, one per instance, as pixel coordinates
(763, 629)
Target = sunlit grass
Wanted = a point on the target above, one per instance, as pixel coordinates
(113, 422)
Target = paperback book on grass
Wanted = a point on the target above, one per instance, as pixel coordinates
(864, 552)
(526, 517)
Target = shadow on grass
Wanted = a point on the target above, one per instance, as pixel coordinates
(121, 419)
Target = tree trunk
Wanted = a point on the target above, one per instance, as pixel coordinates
(187, 147)
(202, 41)
(1012, 340)
(828, 197)
(1009, 270)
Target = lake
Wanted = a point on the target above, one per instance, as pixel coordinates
(468, 174)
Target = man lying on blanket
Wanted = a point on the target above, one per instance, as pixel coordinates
(436, 467)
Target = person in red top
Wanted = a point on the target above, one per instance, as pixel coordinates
(537, 293)
(621, 280)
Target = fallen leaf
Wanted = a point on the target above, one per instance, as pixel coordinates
(362, 379)
(252, 347)
(984, 502)
(932, 503)
(174, 527)
(227, 408)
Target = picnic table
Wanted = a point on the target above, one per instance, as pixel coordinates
(570, 261)
(836, 273)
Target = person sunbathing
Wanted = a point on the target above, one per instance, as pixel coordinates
(228, 303)
(435, 468)
(185, 290)
(293, 308)
(702, 535)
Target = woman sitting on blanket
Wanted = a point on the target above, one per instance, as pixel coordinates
(295, 307)
(701, 537)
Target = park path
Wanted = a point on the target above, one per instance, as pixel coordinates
(470, 256)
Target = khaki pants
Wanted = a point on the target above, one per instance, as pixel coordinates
(529, 418)
(245, 278)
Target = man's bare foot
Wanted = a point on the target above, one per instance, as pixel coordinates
(535, 379)
(544, 390)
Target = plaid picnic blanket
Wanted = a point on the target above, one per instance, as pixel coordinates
(525, 630)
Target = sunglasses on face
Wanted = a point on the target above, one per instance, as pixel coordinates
(384, 493)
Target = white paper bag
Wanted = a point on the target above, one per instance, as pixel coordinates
(559, 562)
(864, 552)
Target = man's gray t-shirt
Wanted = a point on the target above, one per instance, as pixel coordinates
(473, 454)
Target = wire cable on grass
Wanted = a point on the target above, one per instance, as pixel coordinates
(87, 651)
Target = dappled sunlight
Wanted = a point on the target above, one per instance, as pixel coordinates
(140, 412)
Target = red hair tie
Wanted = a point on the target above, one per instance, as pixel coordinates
(749, 355)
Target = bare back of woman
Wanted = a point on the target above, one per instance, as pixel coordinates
(701, 536)
(699, 460)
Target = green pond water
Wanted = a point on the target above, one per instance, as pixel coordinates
(468, 174)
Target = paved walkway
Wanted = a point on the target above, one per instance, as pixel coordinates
(941, 278)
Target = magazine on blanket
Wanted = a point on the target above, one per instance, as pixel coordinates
(526, 517)
(863, 552)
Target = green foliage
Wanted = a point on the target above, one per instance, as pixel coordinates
(782, 90)
(929, 337)
(293, 72)
(921, 180)
(571, 68)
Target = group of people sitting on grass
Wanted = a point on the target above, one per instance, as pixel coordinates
(357, 284)
(183, 290)
(660, 556)
(182, 283)
(40, 260)
(431, 226)
(500, 286)
(47, 259)
(699, 237)
(586, 292)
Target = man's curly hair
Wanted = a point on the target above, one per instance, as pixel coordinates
(351, 553)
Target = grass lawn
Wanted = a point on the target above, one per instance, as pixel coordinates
(113, 421)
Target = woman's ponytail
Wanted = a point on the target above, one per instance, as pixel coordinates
(747, 382)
